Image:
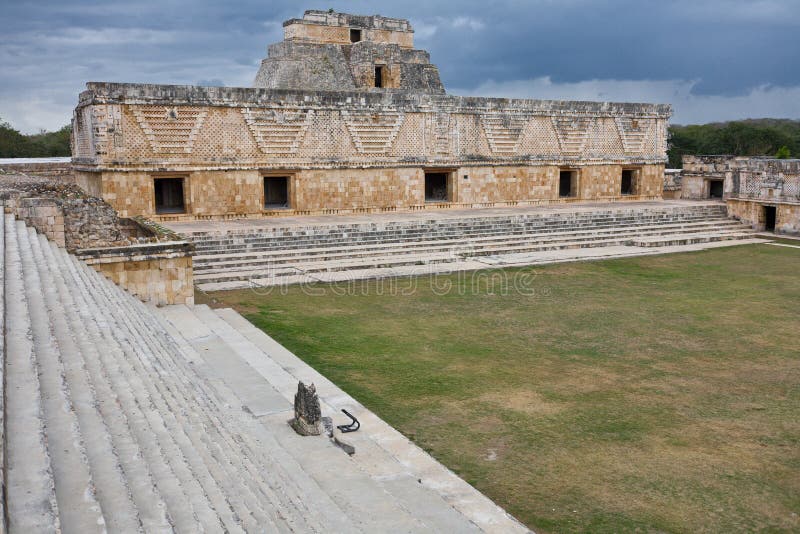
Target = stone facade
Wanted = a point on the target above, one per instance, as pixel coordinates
(336, 51)
(764, 192)
(673, 183)
(356, 148)
(160, 273)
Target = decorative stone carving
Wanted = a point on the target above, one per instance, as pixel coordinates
(307, 414)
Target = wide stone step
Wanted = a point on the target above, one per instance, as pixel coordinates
(411, 226)
(31, 503)
(398, 257)
(204, 262)
(690, 239)
(322, 233)
(79, 510)
(263, 237)
(377, 241)
(497, 220)
(117, 464)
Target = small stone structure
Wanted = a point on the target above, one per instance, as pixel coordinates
(339, 52)
(762, 191)
(307, 413)
(673, 179)
(160, 273)
(146, 259)
(347, 117)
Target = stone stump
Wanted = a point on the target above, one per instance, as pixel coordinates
(307, 414)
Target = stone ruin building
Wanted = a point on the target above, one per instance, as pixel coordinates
(119, 416)
(346, 116)
(763, 192)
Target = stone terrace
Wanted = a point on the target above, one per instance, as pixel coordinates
(268, 252)
(122, 418)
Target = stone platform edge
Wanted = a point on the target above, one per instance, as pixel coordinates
(458, 493)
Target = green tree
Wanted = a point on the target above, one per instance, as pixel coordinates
(783, 153)
(756, 137)
(14, 144)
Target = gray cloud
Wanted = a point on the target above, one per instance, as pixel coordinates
(712, 59)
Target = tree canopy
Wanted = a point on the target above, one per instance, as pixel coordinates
(14, 144)
(755, 137)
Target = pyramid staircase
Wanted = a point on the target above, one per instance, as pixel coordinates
(123, 418)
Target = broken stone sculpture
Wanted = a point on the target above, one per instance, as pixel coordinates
(307, 414)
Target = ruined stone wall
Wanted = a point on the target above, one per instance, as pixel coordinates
(55, 168)
(44, 214)
(787, 220)
(750, 184)
(160, 273)
(334, 28)
(673, 184)
(764, 178)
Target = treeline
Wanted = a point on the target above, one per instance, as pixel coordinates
(754, 137)
(14, 144)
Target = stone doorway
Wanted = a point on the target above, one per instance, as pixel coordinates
(437, 187)
(770, 216)
(169, 195)
(715, 188)
(626, 187)
(567, 183)
(276, 192)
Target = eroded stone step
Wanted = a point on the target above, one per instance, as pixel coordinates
(221, 260)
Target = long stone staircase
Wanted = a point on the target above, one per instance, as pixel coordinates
(122, 418)
(295, 253)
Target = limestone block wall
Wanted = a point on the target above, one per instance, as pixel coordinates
(744, 177)
(345, 189)
(787, 220)
(160, 273)
(330, 27)
(44, 214)
(503, 184)
(673, 184)
(353, 150)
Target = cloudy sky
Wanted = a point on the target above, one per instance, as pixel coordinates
(711, 59)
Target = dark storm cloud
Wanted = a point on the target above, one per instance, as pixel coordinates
(715, 54)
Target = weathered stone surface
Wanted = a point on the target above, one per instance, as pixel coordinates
(749, 184)
(336, 51)
(307, 414)
(344, 146)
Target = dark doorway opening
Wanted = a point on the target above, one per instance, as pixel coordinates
(276, 192)
(169, 195)
(355, 36)
(770, 215)
(715, 188)
(436, 189)
(628, 177)
(567, 183)
(378, 76)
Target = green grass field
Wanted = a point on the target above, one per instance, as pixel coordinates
(650, 394)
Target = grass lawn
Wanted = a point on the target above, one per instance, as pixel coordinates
(646, 394)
